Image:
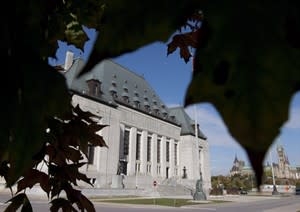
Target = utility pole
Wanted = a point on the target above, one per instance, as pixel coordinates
(196, 127)
(274, 192)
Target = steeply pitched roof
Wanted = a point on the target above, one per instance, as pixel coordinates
(124, 83)
(187, 124)
(235, 159)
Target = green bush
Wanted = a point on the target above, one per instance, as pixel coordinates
(216, 191)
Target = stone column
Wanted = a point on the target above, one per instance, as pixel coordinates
(144, 138)
(132, 149)
(200, 161)
(121, 149)
(163, 157)
(154, 155)
(172, 158)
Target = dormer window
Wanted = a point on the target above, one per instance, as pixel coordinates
(113, 92)
(147, 106)
(172, 118)
(125, 97)
(94, 87)
(164, 113)
(156, 109)
(136, 102)
(125, 88)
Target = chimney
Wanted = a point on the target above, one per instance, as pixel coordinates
(68, 60)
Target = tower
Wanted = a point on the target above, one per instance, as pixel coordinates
(283, 163)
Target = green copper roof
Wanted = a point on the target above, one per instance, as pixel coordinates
(118, 85)
(187, 124)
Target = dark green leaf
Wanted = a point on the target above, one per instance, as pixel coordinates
(249, 71)
(122, 31)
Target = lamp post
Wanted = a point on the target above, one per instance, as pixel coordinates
(274, 192)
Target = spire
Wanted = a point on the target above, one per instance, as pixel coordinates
(235, 159)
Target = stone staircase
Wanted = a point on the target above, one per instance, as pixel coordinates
(172, 187)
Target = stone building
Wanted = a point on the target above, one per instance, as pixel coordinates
(283, 169)
(240, 168)
(147, 141)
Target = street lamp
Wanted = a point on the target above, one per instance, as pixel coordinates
(274, 192)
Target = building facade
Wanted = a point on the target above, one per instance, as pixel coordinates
(147, 141)
(239, 168)
(282, 169)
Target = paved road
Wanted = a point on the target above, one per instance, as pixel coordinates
(280, 204)
(241, 203)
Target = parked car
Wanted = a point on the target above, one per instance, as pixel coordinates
(243, 192)
(297, 191)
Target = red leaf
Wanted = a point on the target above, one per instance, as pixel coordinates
(183, 42)
(33, 177)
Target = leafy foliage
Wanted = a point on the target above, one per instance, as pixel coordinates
(249, 73)
(246, 65)
(62, 153)
(36, 93)
(17, 202)
(193, 39)
(232, 183)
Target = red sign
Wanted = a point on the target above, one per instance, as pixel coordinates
(154, 183)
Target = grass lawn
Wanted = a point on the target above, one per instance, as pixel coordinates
(160, 201)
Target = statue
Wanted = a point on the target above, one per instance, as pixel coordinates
(199, 194)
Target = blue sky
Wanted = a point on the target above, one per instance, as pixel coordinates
(169, 76)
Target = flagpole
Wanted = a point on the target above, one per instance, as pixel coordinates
(196, 127)
(274, 192)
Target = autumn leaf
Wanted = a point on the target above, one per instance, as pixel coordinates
(34, 177)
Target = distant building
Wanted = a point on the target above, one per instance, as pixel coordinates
(283, 169)
(240, 168)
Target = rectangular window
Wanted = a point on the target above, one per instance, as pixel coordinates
(149, 149)
(168, 151)
(175, 154)
(126, 142)
(94, 87)
(158, 150)
(91, 150)
(138, 147)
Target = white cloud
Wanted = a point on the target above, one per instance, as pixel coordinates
(212, 125)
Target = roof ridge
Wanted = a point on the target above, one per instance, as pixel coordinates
(123, 67)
